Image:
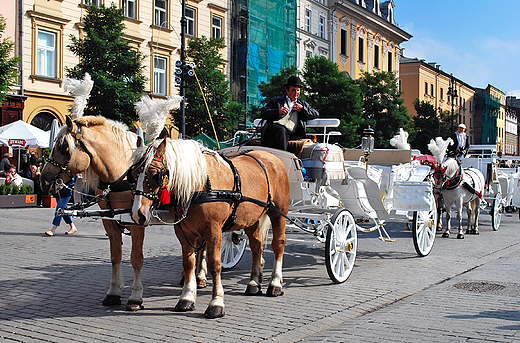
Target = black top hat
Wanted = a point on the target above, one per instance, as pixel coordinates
(293, 81)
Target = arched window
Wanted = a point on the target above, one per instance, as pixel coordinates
(43, 121)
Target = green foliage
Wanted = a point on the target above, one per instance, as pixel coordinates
(383, 107)
(26, 189)
(276, 85)
(445, 129)
(426, 124)
(15, 189)
(334, 95)
(45, 155)
(8, 64)
(5, 189)
(226, 114)
(115, 67)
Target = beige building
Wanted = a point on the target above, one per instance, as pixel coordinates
(427, 82)
(365, 37)
(153, 27)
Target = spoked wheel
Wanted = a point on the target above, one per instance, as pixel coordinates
(341, 246)
(496, 211)
(424, 227)
(233, 247)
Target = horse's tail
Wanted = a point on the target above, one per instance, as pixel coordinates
(263, 224)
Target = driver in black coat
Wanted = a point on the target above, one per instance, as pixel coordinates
(286, 116)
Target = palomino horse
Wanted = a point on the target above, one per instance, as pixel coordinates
(211, 195)
(102, 149)
(460, 187)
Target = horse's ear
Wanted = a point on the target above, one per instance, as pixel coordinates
(161, 148)
(140, 142)
(164, 133)
(70, 124)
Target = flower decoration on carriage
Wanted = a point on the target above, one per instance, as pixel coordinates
(400, 141)
(80, 90)
(153, 114)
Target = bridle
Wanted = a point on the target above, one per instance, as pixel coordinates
(63, 168)
(162, 195)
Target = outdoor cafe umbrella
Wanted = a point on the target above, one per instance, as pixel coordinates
(20, 135)
(53, 132)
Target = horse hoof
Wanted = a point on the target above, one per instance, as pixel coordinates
(111, 300)
(213, 312)
(184, 306)
(134, 305)
(460, 236)
(253, 290)
(445, 235)
(274, 291)
(439, 229)
(201, 283)
(470, 232)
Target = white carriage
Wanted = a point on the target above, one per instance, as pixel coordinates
(502, 184)
(337, 193)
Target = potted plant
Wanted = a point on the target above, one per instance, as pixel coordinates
(49, 201)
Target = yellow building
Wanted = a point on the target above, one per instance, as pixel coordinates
(427, 82)
(153, 27)
(366, 38)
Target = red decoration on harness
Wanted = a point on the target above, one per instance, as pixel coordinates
(164, 198)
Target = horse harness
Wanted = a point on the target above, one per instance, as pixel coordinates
(458, 180)
(211, 195)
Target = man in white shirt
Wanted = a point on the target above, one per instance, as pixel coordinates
(460, 145)
(13, 178)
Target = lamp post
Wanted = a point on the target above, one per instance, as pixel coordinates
(453, 93)
(367, 143)
(182, 90)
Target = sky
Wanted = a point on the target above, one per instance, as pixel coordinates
(476, 40)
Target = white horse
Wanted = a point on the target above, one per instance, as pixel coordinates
(458, 186)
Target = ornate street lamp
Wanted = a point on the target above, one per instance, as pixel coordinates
(367, 143)
(453, 93)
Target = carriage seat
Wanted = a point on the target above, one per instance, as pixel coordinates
(323, 161)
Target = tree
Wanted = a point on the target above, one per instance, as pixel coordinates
(8, 64)
(445, 129)
(225, 113)
(426, 124)
(114, 66)
(383, 107)
(334, 95)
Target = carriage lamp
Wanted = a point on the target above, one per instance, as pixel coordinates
(367, 143)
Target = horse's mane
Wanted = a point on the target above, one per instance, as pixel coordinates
(186, 163)
(452, 167)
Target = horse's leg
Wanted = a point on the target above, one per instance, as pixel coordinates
(254, 286)
(115, 238)
(446, 233)
(135, 301)
(202, 269)
(278, 245)
(215, 308)
(476, 212)
(460, 205)
(189, 290)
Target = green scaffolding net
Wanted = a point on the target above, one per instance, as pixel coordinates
(264, 42)
(489, 107)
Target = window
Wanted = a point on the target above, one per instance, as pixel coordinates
(361, 49)
(343, 46)
(442, 93)
(129, 8)
(96, 3)
(322, 26)
(46, 53)
(308, 15)
(426, 88)
(160, 13)
(376, 56)
(216, 27)
(159, 75)
(432, 93)
(390, 63)
(190, 24)
(308, 54)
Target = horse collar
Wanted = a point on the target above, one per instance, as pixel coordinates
(455, 181)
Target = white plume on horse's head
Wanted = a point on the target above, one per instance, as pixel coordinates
(153, 114)
(400, 141)
(438, 148)
(80, 89)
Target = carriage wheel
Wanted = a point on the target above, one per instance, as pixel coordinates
(496, 211)
(233, 248)
(341, 246)
(424, 227)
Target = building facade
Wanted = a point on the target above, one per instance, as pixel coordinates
(152, 27)
(313, 30)
(427, 82)
(488, 110)
(365, 37)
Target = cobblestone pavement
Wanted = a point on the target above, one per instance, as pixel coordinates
(464, 291)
